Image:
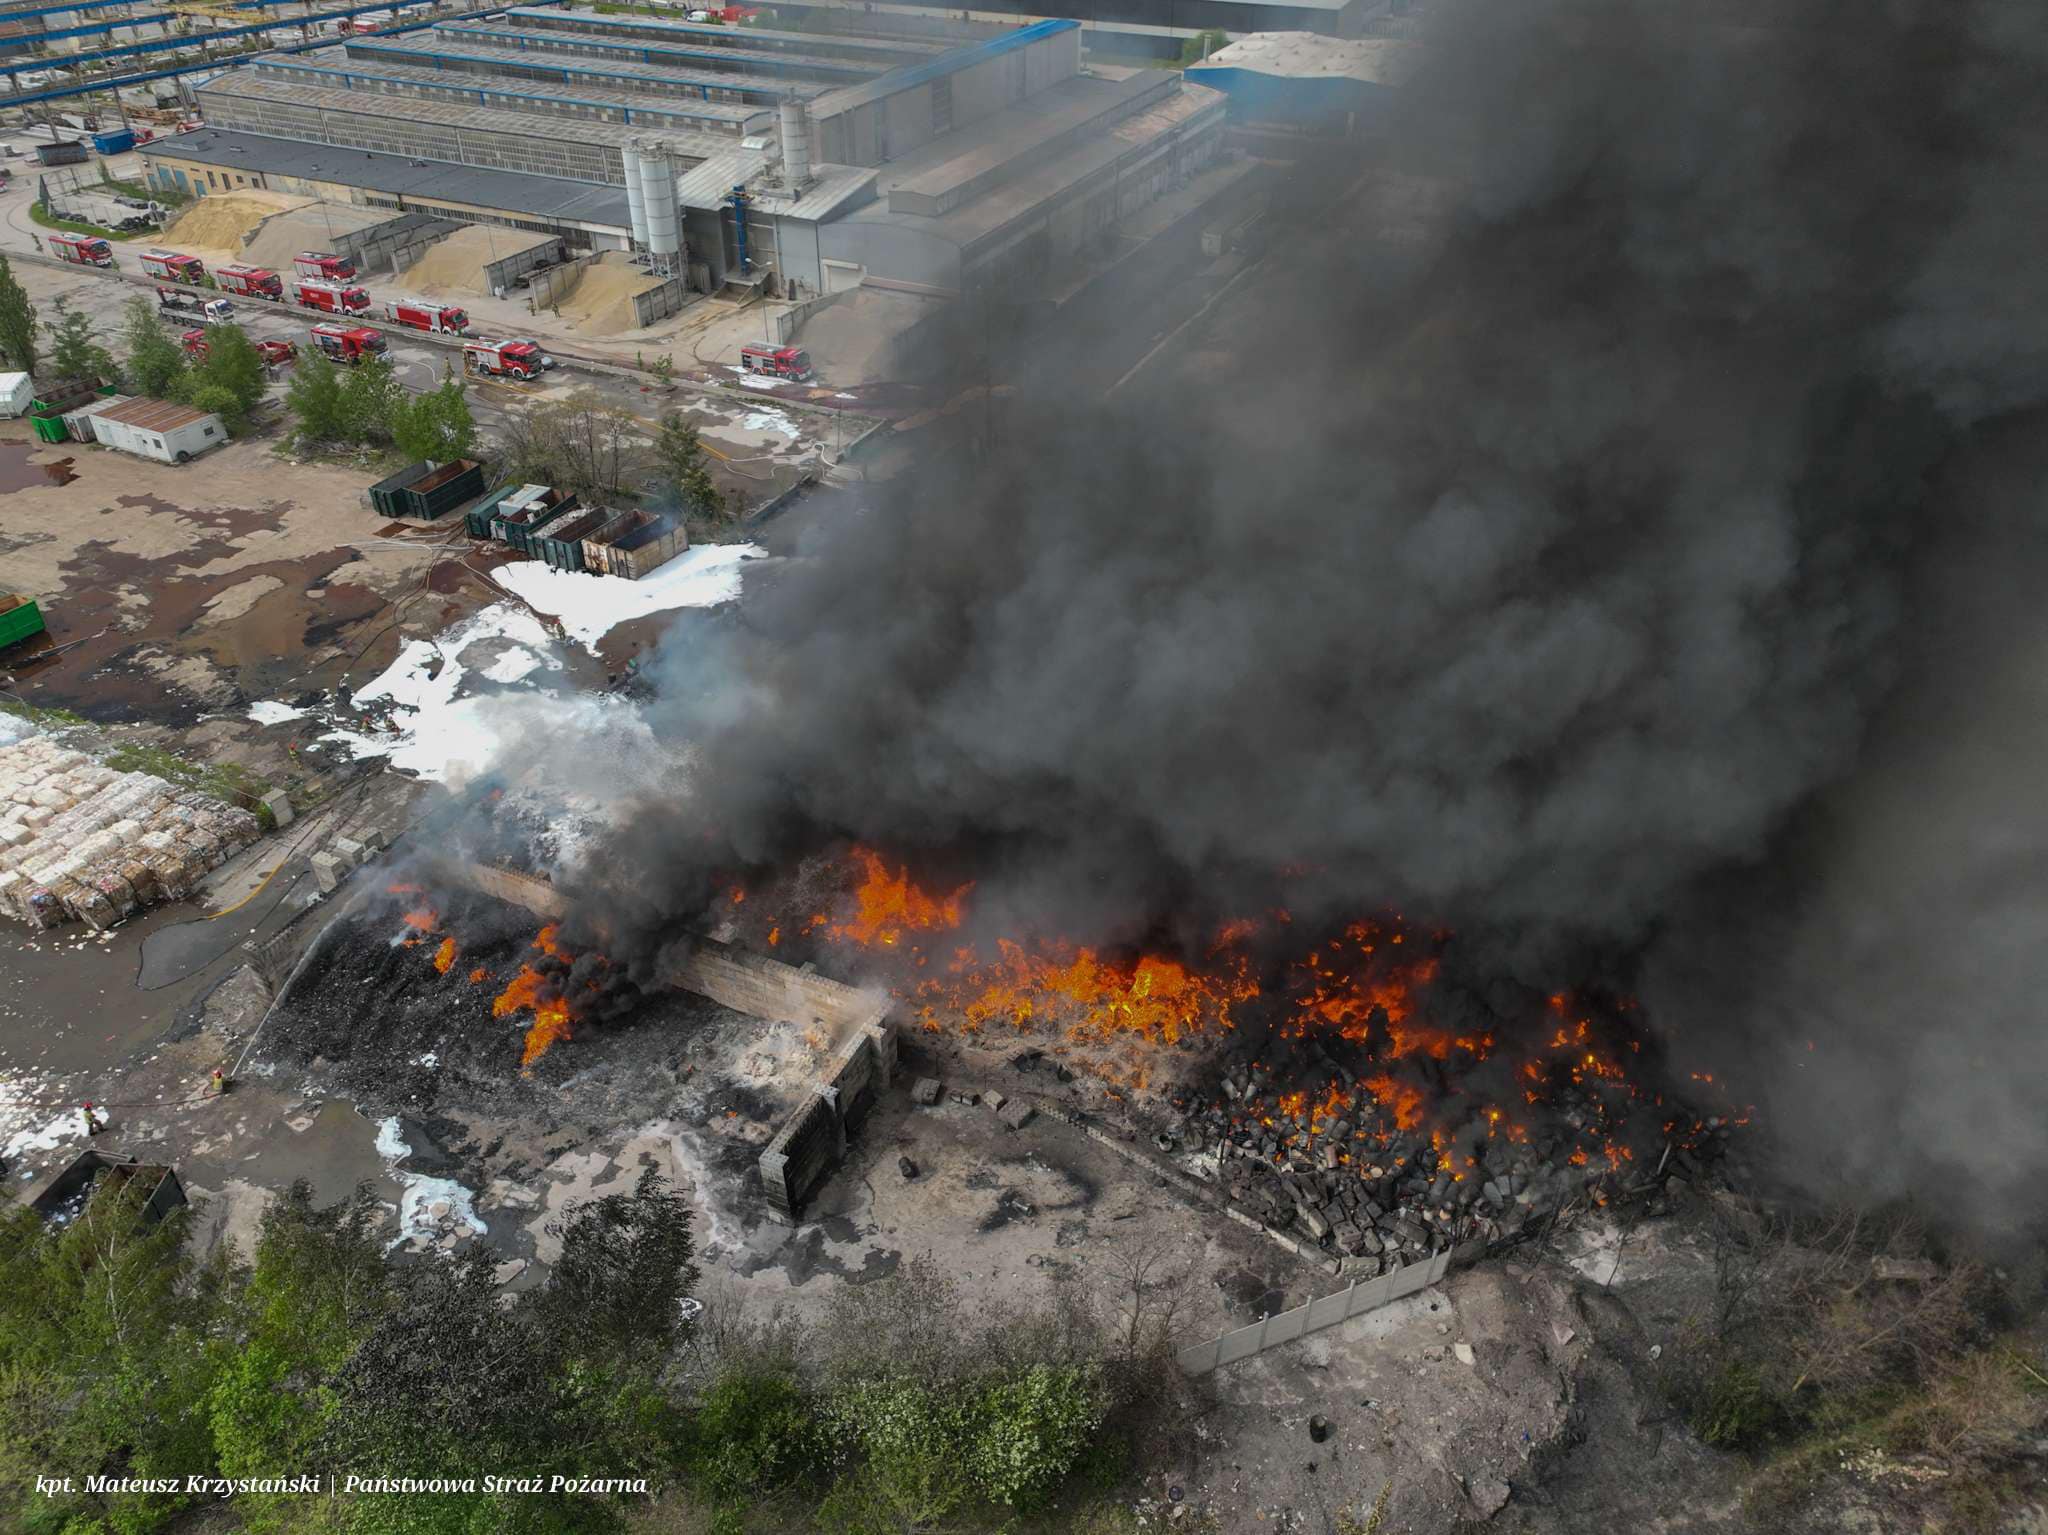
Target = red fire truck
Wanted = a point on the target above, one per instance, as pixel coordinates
(349, 344)
(195, 342)
(331, 297)
(776, 361)
(506, 359)
(174, 267)
(250, 282)
(82, 250)
(420, 315)
(320, 264)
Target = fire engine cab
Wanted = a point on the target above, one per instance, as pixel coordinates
(174, 266)
(82, 250)
(250, 282)
(506, 359)
(776, 361)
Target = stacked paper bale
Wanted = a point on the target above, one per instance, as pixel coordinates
(79, 840)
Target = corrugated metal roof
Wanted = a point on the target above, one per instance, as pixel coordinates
(1311, 56)
(953, 61)
(155, 415)
(476, 87)
(470, 186)
(528, 61)
(709, 184)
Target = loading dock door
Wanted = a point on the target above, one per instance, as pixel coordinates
(841, 275)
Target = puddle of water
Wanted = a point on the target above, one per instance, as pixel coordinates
(334, 1153)
(19, 471)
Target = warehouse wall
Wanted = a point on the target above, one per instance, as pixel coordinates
(874, 132)
(893, 252)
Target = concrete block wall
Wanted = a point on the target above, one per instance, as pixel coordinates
(536, 895)
(811, 1142)
(767, 988)
(659, 303)
(396, 243)
(804, 1150)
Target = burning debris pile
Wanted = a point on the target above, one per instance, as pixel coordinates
(1315, 1076)
(421, 981)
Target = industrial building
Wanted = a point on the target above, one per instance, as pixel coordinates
(1302, 79)
(1111, 30)
(956, 158)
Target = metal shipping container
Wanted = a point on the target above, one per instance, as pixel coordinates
(20, 619)
(560, 543)
(526, 509)
(447, 487)
(635, 545)
(478, 518)
(381, 497)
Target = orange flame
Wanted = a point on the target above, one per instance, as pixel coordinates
(445, 955)
(550, 1023)
(553, 1017)
(888, 906)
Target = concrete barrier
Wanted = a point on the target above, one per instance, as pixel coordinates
(1355, 1299)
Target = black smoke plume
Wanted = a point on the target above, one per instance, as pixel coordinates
(1520, 568)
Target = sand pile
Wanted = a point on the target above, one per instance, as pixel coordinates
(458, 262)
(311, 227)
(214, 227)
(601, 303)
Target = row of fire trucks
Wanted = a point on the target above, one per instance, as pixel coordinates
(321, 282)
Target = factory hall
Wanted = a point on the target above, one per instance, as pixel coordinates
(931, 158)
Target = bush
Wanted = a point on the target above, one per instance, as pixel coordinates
(1031, 1430)
(752, 1434)
(1734, 1409)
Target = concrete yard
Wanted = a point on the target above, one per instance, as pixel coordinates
(181, 590)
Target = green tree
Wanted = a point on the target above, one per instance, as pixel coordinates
(315, 401)
(582, 444)
(75, 350)
(156, 362)
(17, 321)
(105, 1363)
(436, 425)
(679, 473)
(370, 393)
(567, 1381)
(231, 376)
(1201, 45)
(318, 1284)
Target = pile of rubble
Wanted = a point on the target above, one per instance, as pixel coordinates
(1348, 1179)
(81, 841)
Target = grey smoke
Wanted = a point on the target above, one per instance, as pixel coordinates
(1520, 580)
